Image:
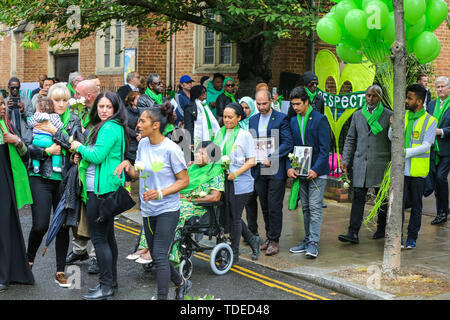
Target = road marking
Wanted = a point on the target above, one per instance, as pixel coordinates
(245, 272)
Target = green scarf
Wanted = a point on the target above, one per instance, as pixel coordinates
(87, 119)
(227, 147)
(438, 114)
(208, 120)
(155, 97)
(212, 93)
(72, 91)
(295, 189)
(65, 118)
(372, 119)
(19, 174)
(412, 117)
(168, 129)
(200, 175)
(229, 95)
(311, 95)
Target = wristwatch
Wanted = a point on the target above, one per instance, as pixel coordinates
(18, 142)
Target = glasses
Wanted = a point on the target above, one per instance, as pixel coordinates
(12, 88)
(158, 83)
(314, 83)
(231, 85)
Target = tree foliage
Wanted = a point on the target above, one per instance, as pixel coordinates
(240, 21)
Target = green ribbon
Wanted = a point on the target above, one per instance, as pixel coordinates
(438, 114)
(19, 174)
(200, 175)
(305, 121)
(155, 97)
(87, 119)
(208, 120)
(412, 117)
(372, 118)
(69, 86)
(230, 140)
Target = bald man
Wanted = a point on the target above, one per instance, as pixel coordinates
(368, 148)
(89, 90)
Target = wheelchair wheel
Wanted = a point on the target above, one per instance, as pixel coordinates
(185, 268)
(221, 258)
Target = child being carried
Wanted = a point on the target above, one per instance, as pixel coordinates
(45, 112)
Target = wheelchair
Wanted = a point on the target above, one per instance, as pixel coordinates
(221, 258)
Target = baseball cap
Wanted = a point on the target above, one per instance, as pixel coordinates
(185, 78)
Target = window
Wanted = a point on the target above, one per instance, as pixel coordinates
(213, 53)
(109, 49)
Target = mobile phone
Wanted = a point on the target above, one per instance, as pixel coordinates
(274, 91)
(15, 101)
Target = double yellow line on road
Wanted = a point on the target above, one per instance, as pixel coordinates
(246, 272)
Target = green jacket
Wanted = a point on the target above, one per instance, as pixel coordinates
(106, 155)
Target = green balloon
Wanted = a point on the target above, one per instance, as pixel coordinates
(389, 4)
(388, 31)
(414, 10)
(349, 52)
(414, 30)
(436, 12)
(433, 56)
(342, 8)
(425, 45)
(356, 24)
(377, 14)
(329, 30)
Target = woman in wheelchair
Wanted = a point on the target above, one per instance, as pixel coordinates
(206, 184)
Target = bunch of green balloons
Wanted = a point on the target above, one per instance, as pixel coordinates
(351, 23)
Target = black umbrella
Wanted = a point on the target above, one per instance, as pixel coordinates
(57, 221)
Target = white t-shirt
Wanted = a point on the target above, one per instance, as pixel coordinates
(161, 164)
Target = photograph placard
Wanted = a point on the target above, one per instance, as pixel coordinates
(304, 155)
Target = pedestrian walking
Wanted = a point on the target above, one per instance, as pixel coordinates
(101, 154)
(162, 172)
(367, 149)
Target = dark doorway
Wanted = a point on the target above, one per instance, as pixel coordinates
(65, 63)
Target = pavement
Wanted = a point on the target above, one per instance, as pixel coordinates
(431, 255)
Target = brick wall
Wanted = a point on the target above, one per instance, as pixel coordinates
(5, 61)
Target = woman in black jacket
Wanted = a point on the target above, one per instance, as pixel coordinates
(225, 98)
(45, 185)
(133, 117)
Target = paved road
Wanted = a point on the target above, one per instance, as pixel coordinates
(245, 281)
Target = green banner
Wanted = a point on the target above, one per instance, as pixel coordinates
(353, 100)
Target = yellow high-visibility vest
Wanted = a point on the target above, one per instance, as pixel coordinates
(420, 164)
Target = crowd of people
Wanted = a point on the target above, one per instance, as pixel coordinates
(140, 134)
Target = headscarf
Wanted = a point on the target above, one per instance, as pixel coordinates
(229, 95)
(212, 93)
(251, 103)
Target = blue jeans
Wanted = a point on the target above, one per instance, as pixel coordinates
(311, 197)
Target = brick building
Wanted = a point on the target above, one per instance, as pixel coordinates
(195, 51)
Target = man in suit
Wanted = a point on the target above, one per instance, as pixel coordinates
(309, 128)
(368, 149)
(133, 82)
(440, 153)
(423, 80)
(153, 93)
(270, 176)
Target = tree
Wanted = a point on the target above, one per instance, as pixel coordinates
(256, 26)
(392, 250)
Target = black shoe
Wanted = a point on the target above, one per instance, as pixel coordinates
(349, 237)
(254, 242)
(93, 267)
(3, 287)
(100, 294)
(379, 234)
(440, 218)
(115, 288)
(73, 257)
(182, 290)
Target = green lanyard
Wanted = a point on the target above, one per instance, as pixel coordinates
(305, 121)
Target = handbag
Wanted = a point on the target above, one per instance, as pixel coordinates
(116, 202)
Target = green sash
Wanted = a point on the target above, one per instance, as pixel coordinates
(295, 189)
(211, 133)
(230, 140)
(412, 117)
(372, 119)
(200, 175)
(155, 97)
(72, 91)
(19, 174)
(438, 114)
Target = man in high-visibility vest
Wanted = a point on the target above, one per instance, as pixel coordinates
(420, 132)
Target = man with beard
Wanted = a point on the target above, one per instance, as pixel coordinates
(368, 150)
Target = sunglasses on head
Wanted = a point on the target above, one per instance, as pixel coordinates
(230, 85)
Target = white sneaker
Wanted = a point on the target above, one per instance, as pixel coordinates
(133, 256)
(143, 261)
(61, 280)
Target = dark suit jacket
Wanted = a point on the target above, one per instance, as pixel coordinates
(190, 116)
(318, 137)
(280, 122)
(444, 143)
(124, 91)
